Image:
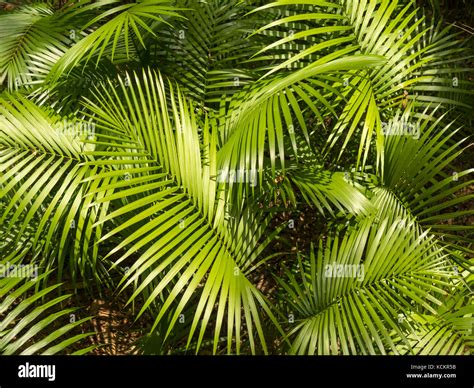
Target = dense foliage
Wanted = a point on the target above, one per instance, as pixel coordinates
(283, 177)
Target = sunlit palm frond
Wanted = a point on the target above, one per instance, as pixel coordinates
(192, 244)
(359, 289)
(36, 322)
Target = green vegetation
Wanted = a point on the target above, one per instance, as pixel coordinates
(247, 177)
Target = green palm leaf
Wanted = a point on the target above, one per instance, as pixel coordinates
(369, 95)
(418, 171)
(29, 324)
(208, 53)
(191, 246)
(30, 32)
(42, 178)
(125, 20)
(394, 270)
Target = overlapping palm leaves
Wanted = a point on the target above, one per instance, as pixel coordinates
(415, 53)
(187, 241)
(302, 101)
(33, 32)
(30, 324)
(43, 184)
(208, 52)
(396, 273)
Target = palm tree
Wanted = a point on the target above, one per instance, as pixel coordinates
(163, 149)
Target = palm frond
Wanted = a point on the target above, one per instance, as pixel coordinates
(208, 52)
(191, 246)
(44, 166)
(351, 296)
(112, 27)
(418, 169)
(32, 31)
(31, 325)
